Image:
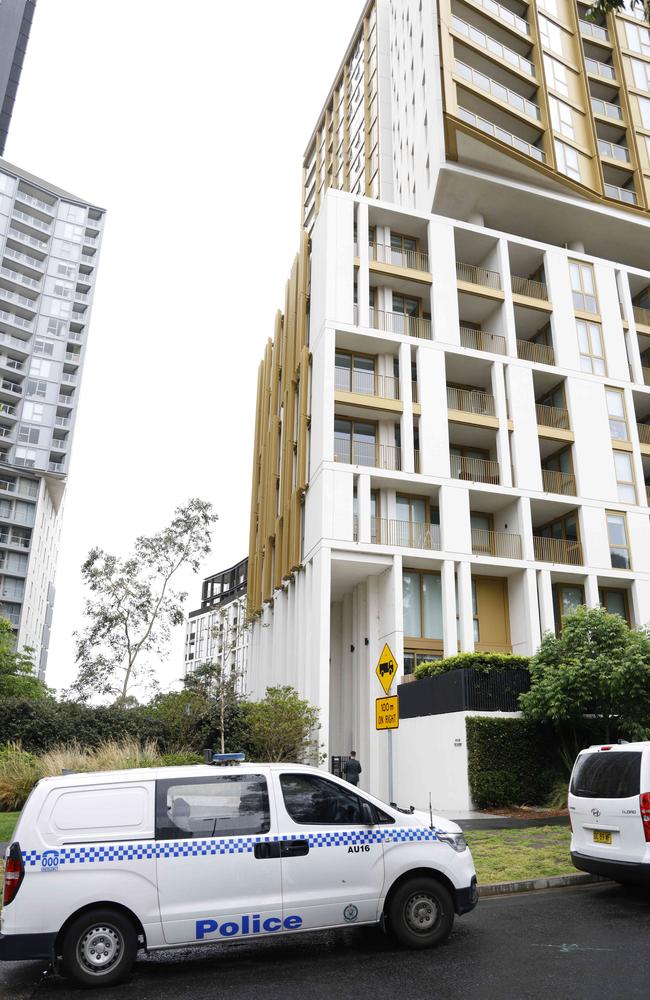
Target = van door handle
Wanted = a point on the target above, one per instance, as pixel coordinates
(266, 850)
(294, 848)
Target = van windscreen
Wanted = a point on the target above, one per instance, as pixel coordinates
(607, 775)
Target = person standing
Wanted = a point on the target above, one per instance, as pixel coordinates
(352, 768)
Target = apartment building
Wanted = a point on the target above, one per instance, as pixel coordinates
(453, 417)
(217, 632)
(49, 247)
(15, 24)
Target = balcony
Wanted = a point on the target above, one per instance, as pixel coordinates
(16, 366)
(66, 400)
(644, 433)
(69, 377)
(470, 274)
(363, 383)
(502, 135)
(557, 550)
(74, 358)
(497, 90)
(470, 401)
(400, 323)
(367, 453)
(590, 30)
(552, 416)
(9, 317)
(540, 354)
(479, 340)
(90, 241)
(529, 288)
(31, 220)
(55, 466)
(29, 199)
(62, 421)
(626, 195)
(503, 544)
(601, 69)
(641, 315)
(21, 300)
(614, 151)
(562, 483)
(606, 109)
(474, 470)
(24, 258)
(404, 534)
(415, 260)
(502, 13)
(76, 335)
(492, 46)
(19, 278)
(32, 241)
(11, 387)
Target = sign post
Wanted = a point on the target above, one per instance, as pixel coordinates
(387, 708)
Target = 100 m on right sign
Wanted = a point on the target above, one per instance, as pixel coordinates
(387, 713)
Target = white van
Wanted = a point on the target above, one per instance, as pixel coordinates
(609, 808)
(105, 864)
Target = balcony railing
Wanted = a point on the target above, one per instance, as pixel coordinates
(641, 315)
(475, 470)
(10, 387)
(65, 400)
(528, 287)
(405, 534)
(400, 323)
(606, 109)
(503, 14)
(594, 31)
(557, 550)
(75, 335)
(21, 300)
(73, 357)
(644, 433)
(493, 46)
(541, 354)
(416, 260)
(55, 466)
(90, 241)
(29, 199)
(9, 317)
(614, 151)
(414, 391)
(563, 483)
(6, 410)
(6, 362)
(598, 68)
(62, 421)
(69, 377)
(378, 456)
(24, 258)
(552, 416)
(621, 194)
(21, 279)
(502, 135)
(31, 220)
(505, 544)
(470, 401)
(479, 340)
(474, 275)
(364, 383)
(32, 241)
(495, 89)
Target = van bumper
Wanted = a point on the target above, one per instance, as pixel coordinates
(466, 899)
(23, 947)
(620, 871)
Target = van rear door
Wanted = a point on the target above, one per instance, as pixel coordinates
(604, 804)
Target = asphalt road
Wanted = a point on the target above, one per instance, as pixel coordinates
(567, 944)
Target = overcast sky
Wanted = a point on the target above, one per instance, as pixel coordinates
(187, 121)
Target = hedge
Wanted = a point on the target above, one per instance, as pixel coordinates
(485, 662)
(511, 762)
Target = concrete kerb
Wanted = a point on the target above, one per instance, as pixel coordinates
(532, 884)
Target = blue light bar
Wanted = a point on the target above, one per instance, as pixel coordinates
(228, 758)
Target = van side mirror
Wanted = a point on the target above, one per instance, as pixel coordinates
(368, 814)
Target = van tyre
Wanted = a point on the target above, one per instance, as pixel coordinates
(421, 913)
(99, 948)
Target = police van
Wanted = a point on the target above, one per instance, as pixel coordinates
(106, 864)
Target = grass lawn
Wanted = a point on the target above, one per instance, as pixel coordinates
(7, 824)
(509, 855)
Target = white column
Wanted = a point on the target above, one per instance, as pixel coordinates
(434, 433)
(363, 277)
(526, 529)
(592, 598)
(545, 596)
(363, 508)
(507, 326)
(501, 409)
(465, 607)
(532, 609)
(449, 627)
(319, 625)
(407, 402)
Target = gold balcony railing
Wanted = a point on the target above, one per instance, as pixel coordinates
(641, 315)
(475, 470)
(552, 416)
(378, 456)
(407, 326)
(414, 391)
(563, 483)
(479, 340)
(407, 534)
(505, 544)
(416, 260)
(541, 354)
(416, 460)
(529, 288)
(470, 401)
(557, 550)
(644, 433)
(477, 275)
(366, 383)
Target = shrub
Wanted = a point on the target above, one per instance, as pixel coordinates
(511, 762)
(484, 662)
(19, 772)
(180, 758)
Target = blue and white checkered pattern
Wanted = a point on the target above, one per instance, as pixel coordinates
(151, 850)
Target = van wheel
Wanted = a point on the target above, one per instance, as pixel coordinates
(99, 948)
(421, 913)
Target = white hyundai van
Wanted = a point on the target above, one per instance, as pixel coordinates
(609, 808)
(105, 864)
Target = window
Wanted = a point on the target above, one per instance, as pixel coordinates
(618, 545)
(590, 342)
(314, 801)
(25, 457)
(616, 412)
(355, 442)
(615, 601)
(43, 347)
(403, 249)
(65, 270)
(644, 108)
(625, 476)
(356, 373)
(225, 806)
(28, 435)
(566, 598)
(583, 287)
(641, 74)
(40, 367)
(413, 659)
(56, 327)
(615, 774)
(556, 75)
(550, 6)
(551, 35)
(568, 161)
(414, 519)
(33, 411)
(35, 388)
(422, 605)
(638, 38)
(562, 117)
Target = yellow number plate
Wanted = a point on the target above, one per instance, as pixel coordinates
(602, 837)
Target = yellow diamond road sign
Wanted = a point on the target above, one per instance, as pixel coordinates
(386, 668)
(387, 712)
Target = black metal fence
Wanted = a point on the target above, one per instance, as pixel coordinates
(463, 690)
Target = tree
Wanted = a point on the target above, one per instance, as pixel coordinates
(597, 669)
(616, 6)
(17, 676)
(282, 726)
(132, 607)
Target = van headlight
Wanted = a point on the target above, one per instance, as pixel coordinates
(455, 840)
